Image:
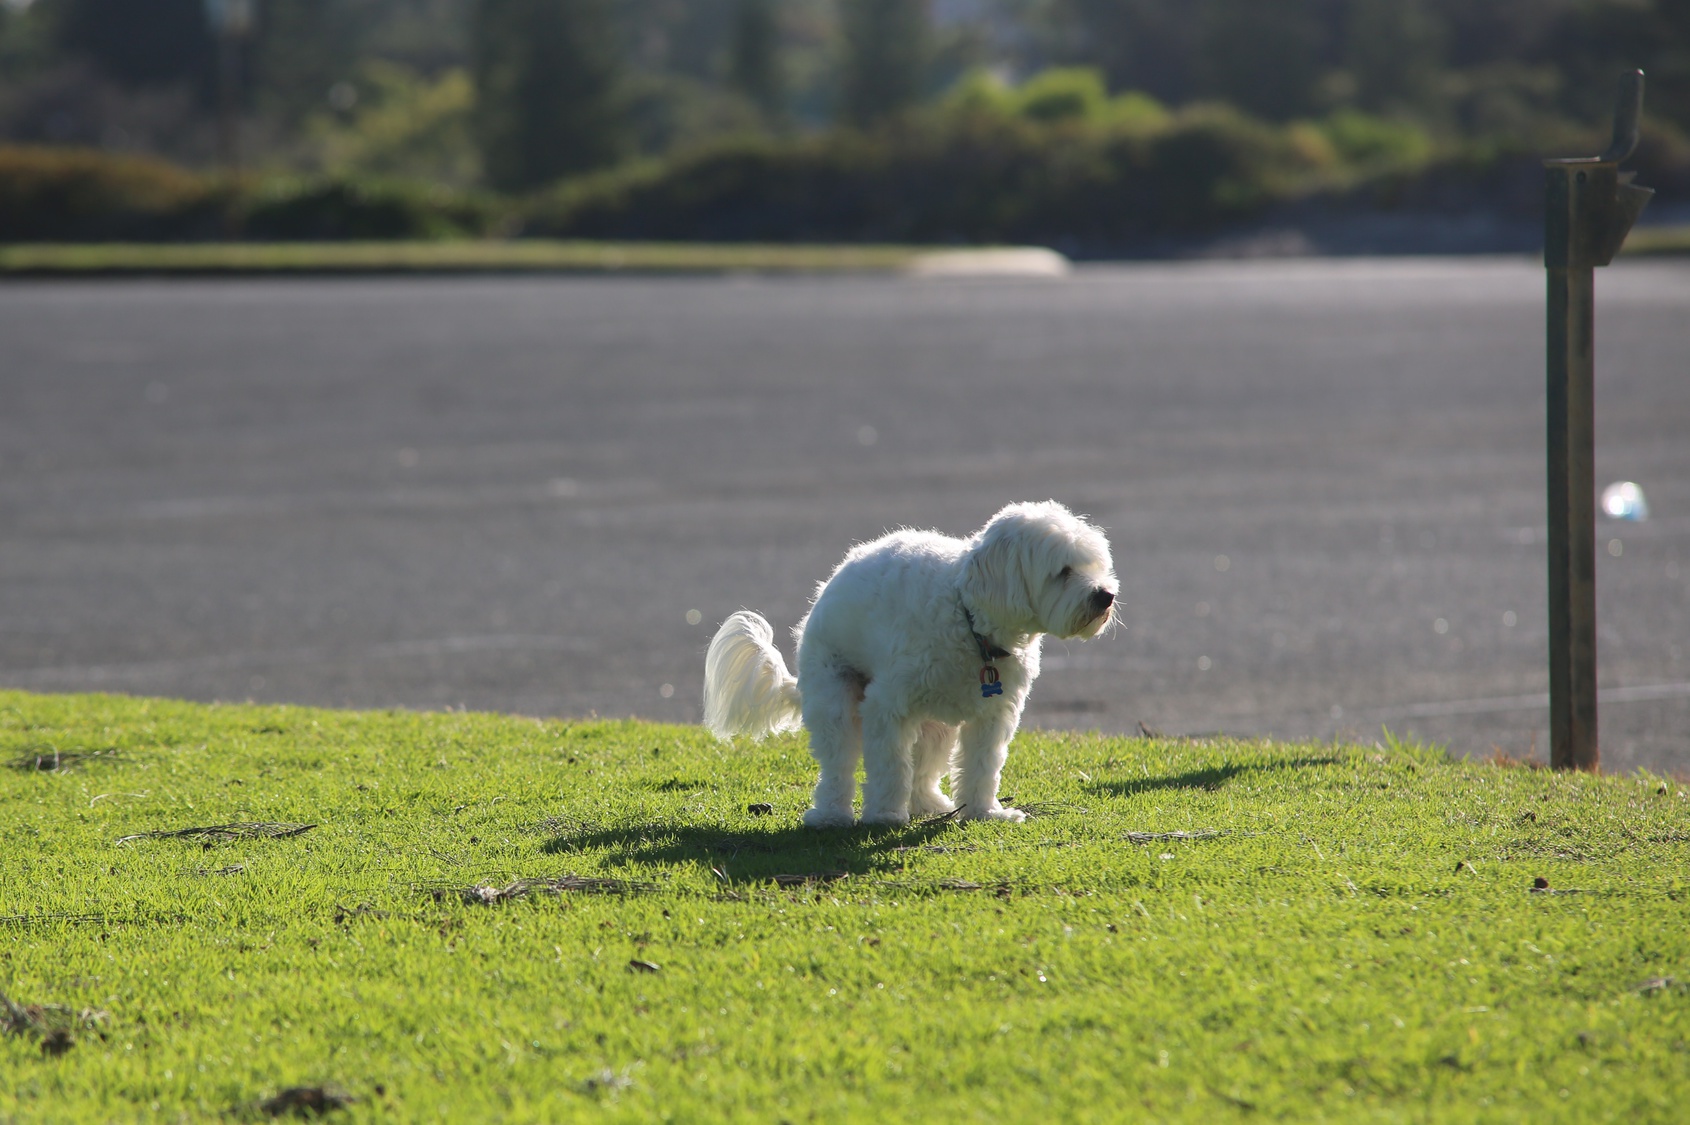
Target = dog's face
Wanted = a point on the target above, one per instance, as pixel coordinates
(1038, 568)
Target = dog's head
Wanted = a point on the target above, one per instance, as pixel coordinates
(1038, 568)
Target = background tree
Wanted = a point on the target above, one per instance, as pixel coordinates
(1147, 45)
(548, 77)
(1264, 58)
(754, 56)
(303, 48)
(1392, 54)
(887, 47)
(139, 42)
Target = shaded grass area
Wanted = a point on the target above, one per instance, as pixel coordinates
(447, 256)
(503, 919)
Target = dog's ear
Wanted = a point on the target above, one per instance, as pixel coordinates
(994, 573)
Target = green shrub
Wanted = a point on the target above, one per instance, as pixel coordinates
(83, 195)
(400, 124)
(331, 210)
(76, 194)
(1374, 142)
(1059, 96)
(1071, 93)
(948, 178)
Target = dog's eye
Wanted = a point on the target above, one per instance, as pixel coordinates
(1065, 572)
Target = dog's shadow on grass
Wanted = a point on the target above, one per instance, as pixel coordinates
(1209, 778)
(752, 853)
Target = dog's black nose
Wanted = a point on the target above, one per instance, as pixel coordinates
(1102, 599)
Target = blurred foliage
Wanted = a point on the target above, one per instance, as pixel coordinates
(137, 42)
(336, 209)
(951, 178)
(1061, 94)
(389, 120)
(1370, 142)
(62, 194)
(1456, 66)
(887, 47)
(69, 194)
(754, 65)
(1227, 105)
(548, 83)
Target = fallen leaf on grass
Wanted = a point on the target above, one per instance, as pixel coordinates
(40, 919)
(936, 849)
(487, 894)
(808, 879)
(1001, 890)
(1051, 808)
(1150, 837)
(217, 833)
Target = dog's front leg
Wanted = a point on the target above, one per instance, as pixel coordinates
(979, 765)
(888, 770)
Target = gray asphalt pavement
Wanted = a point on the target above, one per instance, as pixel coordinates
(1323, 481)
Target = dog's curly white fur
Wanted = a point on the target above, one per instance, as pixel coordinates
(890, 660)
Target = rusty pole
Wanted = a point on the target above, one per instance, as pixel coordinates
(1589, 208)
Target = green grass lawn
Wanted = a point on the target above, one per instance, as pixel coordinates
(453, 256)
(497, 918)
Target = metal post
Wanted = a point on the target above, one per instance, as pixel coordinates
(1589, 208)
(1572, 507)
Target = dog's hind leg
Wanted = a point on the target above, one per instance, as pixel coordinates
(836, 740)
(979, 764)
(888, 768)
(933, 748)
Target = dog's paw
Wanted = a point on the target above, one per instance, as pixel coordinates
(826, 818)
(1008, 816)
(885, 817)
(937, 805)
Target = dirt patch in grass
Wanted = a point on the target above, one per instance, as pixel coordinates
(305, 1101)
(55, 1027)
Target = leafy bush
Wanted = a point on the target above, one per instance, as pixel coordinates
(1376, 142)
(1074, 93)
(73, 194)
(392, 121)
(968, 178)
(1061, 95)
(83, 195)
(336, 209)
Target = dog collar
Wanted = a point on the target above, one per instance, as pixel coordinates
(989, 683)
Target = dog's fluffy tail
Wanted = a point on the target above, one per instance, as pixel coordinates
(747, 689)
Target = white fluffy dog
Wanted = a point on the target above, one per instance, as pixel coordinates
(917, 656)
